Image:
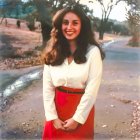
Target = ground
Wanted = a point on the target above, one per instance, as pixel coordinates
(23, 117)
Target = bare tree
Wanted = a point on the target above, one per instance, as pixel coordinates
(106, 7)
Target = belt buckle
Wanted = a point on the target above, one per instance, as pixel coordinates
(67, 91)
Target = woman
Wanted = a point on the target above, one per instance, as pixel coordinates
(71, 77)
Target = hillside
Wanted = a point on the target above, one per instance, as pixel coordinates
(18, 44)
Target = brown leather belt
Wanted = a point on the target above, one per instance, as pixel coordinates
(71, 90)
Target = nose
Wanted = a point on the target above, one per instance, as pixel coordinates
(69, 26)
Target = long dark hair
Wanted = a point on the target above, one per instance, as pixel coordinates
(58, 48)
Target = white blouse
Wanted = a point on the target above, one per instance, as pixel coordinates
(86, 75)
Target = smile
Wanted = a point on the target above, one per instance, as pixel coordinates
(69, 32)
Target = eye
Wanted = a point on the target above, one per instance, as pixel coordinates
(65, 22)
(75, 23)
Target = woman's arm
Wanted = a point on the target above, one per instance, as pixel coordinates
(48, 95)
(94, 79)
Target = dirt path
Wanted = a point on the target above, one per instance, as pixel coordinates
(24, 116)
(119, 89)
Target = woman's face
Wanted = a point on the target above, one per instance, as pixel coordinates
(71, 26)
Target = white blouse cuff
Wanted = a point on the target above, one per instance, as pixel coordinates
(79, 119)
(52, 117)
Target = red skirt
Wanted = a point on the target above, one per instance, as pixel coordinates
(66, 104)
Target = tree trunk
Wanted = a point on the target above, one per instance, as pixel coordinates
(2, 19)
(101, 30)
(45, 19)
(45, 32)
(135, 40)
(101, 35)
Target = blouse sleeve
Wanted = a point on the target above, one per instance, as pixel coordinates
(48, 95)
(94, 79)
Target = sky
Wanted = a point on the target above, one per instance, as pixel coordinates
(117, 13)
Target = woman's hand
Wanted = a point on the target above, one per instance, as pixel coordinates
(58, 124)
(70, 124)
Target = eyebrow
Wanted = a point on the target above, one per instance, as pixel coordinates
(73, 20)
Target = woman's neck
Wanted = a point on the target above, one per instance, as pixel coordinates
(73, 46)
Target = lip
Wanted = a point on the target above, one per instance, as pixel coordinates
(69, 32)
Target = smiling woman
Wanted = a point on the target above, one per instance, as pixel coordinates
(71, 26)
(71, 77)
